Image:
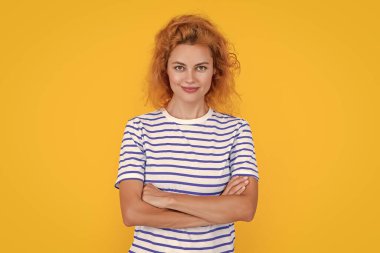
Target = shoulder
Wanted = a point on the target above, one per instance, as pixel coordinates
(135, 125)
(144, 118)
(224, 118)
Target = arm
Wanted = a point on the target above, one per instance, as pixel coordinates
(130, 183)
(215, 209)
(137, 212)
(219, 209)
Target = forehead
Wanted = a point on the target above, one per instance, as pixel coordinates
(189, 53)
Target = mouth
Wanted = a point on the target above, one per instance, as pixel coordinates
(190, 89)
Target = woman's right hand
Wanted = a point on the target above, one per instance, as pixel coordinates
(236, 186)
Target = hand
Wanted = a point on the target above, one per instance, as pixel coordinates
(154, 196)
(236, 186)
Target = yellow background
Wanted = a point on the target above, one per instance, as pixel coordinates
(71, 75)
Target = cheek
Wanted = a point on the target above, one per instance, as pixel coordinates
(207, 80)
(174, 78)
(177, 79)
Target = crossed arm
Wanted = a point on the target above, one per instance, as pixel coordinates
(149, 206)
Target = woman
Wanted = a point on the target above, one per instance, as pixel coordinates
(187, 171)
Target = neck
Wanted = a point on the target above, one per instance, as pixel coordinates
(184, 110)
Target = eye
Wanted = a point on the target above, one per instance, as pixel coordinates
(202, 68)
(178, 67)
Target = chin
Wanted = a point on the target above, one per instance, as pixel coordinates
(190, 99)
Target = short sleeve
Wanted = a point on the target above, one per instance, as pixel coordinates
(132, 154)
(242, 154)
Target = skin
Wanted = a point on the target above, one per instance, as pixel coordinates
(137, 212)
(215, 209)
(188, 66)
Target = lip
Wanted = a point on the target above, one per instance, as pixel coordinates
(190, 89)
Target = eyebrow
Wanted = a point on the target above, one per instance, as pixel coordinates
(177, 62)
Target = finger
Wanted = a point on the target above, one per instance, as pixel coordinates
(228, 187)
(151, 186)
(234, 181)
(147, 188)
(236, 188)
(234, 178)
(241, 190)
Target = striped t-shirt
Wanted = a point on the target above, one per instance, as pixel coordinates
(187, 156)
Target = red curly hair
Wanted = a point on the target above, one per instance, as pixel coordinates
(194, 29)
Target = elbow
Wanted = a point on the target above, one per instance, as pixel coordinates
(127, 223)
(247, 215)
(250, 214)
(129, 217)
(250, 217)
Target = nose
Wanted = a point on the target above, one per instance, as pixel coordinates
(190, 76)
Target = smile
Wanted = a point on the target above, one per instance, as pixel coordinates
(190, 90)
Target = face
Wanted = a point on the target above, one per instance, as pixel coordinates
(190, 71)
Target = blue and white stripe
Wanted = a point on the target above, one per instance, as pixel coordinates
(196, 157)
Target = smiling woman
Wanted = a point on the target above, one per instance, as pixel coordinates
(187, 170)
(193, 34)
(190, 70)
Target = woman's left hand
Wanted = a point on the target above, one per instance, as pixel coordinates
(154, 196)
